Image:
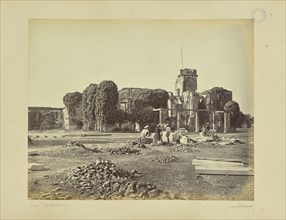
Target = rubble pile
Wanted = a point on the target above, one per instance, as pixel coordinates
(133, 141)
(168, 159)
(74, 143)
(77, 144)
(101, 179)
(125, 150)
(181, 148)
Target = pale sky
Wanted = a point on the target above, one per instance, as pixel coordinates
(67, 55)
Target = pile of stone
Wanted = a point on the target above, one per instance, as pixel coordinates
(74, 143)
(101, 179)
(168, 159)
(77, 144)
(125, 150)
(181, 148)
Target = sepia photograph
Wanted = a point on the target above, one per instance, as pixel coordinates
(140, 109)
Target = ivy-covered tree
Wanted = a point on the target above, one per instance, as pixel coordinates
(159, 98)
(143, 103)
(122, 116)
(218, 97)
(146, 116)
(73, 103)
(106, 104)
(88, 106)
(142, 99)
(233, 108)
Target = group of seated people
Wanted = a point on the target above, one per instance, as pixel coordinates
(208, 132)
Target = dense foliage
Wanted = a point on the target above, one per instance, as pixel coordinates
(73, 103)
(233, 108)
(143, 103)
(88, 106)
(106, 104)
(157, 98)
(218, 97)
(244, 120)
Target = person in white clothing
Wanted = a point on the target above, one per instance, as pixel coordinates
(144, 133)
(168, 131)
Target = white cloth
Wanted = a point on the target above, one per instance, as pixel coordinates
(144, 132)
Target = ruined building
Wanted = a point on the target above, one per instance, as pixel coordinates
(43, 118)
(187, 108)
(190, 109)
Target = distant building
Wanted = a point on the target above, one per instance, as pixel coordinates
(45, 118)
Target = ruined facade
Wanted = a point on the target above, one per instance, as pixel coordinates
(190, 109)
(43, 118)
(126, 96)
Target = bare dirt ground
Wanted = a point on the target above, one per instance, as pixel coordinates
(177, 177)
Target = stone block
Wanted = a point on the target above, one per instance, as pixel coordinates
(153, 193)
(173, 137)
(36, 166)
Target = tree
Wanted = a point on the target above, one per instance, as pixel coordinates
(143, 104)
(218, 98)
(159, 98)
(146, 116)
(142, 99)
(233, 108)
(88, 106)
(73, 103)
(122, 116)
(106, 104)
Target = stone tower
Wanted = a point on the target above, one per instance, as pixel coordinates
(186, 81)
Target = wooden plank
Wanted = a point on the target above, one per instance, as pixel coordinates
(33, 152)
(220, 159)
(210, 163)
(239, 171)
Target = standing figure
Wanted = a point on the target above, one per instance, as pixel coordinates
(168, 131)
(208, 128)
(158, 132)
(203, 133)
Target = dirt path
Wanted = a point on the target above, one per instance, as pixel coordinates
(177, 177)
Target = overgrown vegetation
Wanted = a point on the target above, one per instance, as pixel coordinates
(234, 111)
(88, 106)
(106, 104)
(73, 103)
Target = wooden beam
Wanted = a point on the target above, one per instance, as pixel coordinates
(239, 171)
(33, 152)
(220, 159)
(210, 163)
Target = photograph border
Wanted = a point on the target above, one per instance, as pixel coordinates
(269, 80)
